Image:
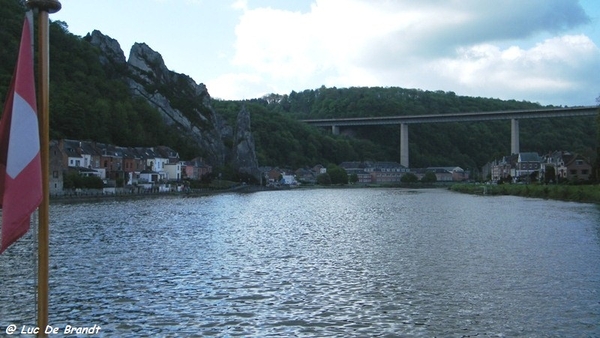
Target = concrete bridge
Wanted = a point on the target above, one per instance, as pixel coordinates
(513, 115)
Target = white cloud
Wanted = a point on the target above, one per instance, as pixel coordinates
(237, 86)
(240, 5)
(551, 67)
(326, 44)
(428, 44)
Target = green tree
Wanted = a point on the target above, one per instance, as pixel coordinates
(550, 175)
(93, 182)
(337, 174)
(409, 178)
(324, 179)
(353, 178)
(72, 180)
(429, 177)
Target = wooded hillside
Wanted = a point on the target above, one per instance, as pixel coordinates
(86, 102)
(91, 102)
(465, 144)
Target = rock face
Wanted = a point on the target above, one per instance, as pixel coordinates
(178, 98)
(244, 155)
(181, 101)
(110, 47)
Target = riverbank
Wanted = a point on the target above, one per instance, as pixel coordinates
(574, 193)
(95, 196)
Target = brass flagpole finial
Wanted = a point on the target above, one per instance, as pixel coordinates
(50, 6)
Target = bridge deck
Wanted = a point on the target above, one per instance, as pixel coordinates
(457, 117)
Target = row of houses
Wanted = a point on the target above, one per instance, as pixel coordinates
(517, 167)
(151, 166)
(525, 166)
(130, 165)
(392, 172)
(366, 173)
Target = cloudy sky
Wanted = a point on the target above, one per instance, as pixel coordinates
(545, 51)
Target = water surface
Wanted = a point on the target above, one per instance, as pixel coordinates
(331, 262)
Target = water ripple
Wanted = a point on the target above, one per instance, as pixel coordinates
(370, 262)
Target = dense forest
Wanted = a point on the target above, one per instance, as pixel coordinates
(469, 145)
(90, 102)
(86, 101)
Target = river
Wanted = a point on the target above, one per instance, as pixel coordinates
(323, 262)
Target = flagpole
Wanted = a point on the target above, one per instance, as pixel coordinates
(44, 8)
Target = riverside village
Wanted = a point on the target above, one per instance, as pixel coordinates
(160, 169)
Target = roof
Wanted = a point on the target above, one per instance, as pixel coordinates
(387, 165)
(352, 165)
(529, 157)
(572, 158)
(450, 169)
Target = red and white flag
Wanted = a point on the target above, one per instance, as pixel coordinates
(20, 163)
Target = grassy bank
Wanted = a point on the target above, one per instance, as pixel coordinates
(576, 193)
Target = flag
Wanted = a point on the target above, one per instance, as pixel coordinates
(20, 162)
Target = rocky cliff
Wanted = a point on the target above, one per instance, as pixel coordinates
(244, 155)
(181, 101)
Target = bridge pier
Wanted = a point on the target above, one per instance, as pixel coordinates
(404, 144)
(513, 115)
(514, 136)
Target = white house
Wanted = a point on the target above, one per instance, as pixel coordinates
(288, 180)
(148, 176)
(155, 162)
(173, 170)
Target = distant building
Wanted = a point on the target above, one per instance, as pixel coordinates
(375, 172)
(579, 168)
(527, 164)
(449, 174)
(288, 180)
(195, 169)
(56, 168)
(569, 166)
(304, 175)
(112, 163)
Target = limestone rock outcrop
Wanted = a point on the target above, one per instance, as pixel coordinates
(181, 101)
(244, 155)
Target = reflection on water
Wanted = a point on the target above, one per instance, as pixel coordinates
(372, 262)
